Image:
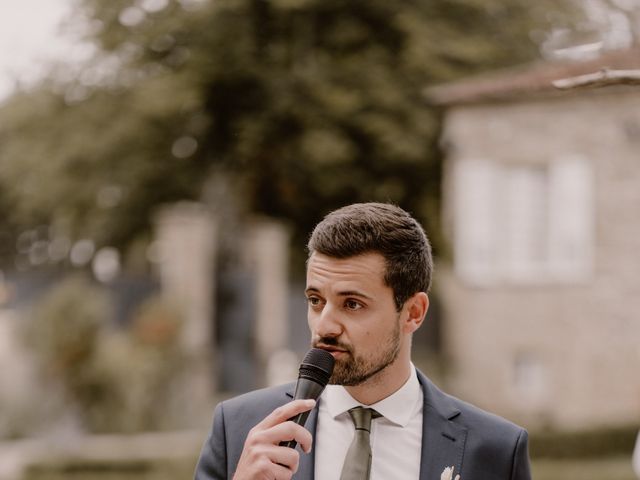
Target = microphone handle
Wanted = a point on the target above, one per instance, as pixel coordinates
(300, 419)
(305, 388)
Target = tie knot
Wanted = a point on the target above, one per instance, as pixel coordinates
(362, 416)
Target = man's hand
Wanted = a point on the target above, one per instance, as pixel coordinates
(262, 457)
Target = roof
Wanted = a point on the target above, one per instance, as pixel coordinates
(533, 79)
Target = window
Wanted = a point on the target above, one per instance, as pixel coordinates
(530, 382)
(523, 223)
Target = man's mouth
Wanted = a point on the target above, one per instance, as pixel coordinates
(335, 351)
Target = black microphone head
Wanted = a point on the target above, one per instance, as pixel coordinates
(317, 365)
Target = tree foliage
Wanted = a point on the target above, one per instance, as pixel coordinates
(304, 105)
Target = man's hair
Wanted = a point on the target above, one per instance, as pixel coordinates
(379, 228)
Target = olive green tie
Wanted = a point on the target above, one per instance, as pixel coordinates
(357, 464)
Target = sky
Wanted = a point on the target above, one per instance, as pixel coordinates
(30, 38)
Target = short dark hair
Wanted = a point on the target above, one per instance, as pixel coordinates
(380, 228)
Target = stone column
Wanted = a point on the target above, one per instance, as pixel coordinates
(268, 255)
(186, 238)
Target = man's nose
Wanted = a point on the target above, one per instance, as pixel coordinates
(327, 322)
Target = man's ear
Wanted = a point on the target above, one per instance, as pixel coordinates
(416, 310)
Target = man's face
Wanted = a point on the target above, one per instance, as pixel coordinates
(352, 314)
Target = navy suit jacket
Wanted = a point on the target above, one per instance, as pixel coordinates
(480, 446)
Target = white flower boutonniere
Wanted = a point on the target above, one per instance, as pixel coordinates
(447, 474)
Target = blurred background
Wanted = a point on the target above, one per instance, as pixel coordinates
(163, 161)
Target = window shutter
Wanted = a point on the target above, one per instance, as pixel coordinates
(475, 195)
(571, 218)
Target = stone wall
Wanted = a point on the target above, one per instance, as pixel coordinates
(554, 353)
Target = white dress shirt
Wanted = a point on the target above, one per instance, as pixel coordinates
(396, 437)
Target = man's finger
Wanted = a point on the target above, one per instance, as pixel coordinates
(287, 431)
(282, 473)
(285, 412)
(285, 457)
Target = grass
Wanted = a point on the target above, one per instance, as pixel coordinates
(130, 470)
(609, 468)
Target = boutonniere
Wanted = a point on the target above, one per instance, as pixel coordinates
(447, 474)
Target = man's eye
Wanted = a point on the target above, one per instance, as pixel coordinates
(313, 301)
(352, 305)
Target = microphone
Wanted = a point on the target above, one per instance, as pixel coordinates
(314, 374)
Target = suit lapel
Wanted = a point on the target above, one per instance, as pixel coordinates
(443, 440)
(306, 467)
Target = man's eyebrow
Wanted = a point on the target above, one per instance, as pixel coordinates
(354, 293)
(346, 293)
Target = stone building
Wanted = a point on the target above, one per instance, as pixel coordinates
(542, 211)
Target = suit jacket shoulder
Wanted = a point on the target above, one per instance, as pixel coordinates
(486, 445)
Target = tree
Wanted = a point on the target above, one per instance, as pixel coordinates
(304, 105)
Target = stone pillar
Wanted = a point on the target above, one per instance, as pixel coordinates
(21, 411)
(268, 256)
(186, 239)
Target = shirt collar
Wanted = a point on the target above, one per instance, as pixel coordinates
(398, 408)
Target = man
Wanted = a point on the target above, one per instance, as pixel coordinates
(368, 275)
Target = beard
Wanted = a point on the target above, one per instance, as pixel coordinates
(356, 369)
